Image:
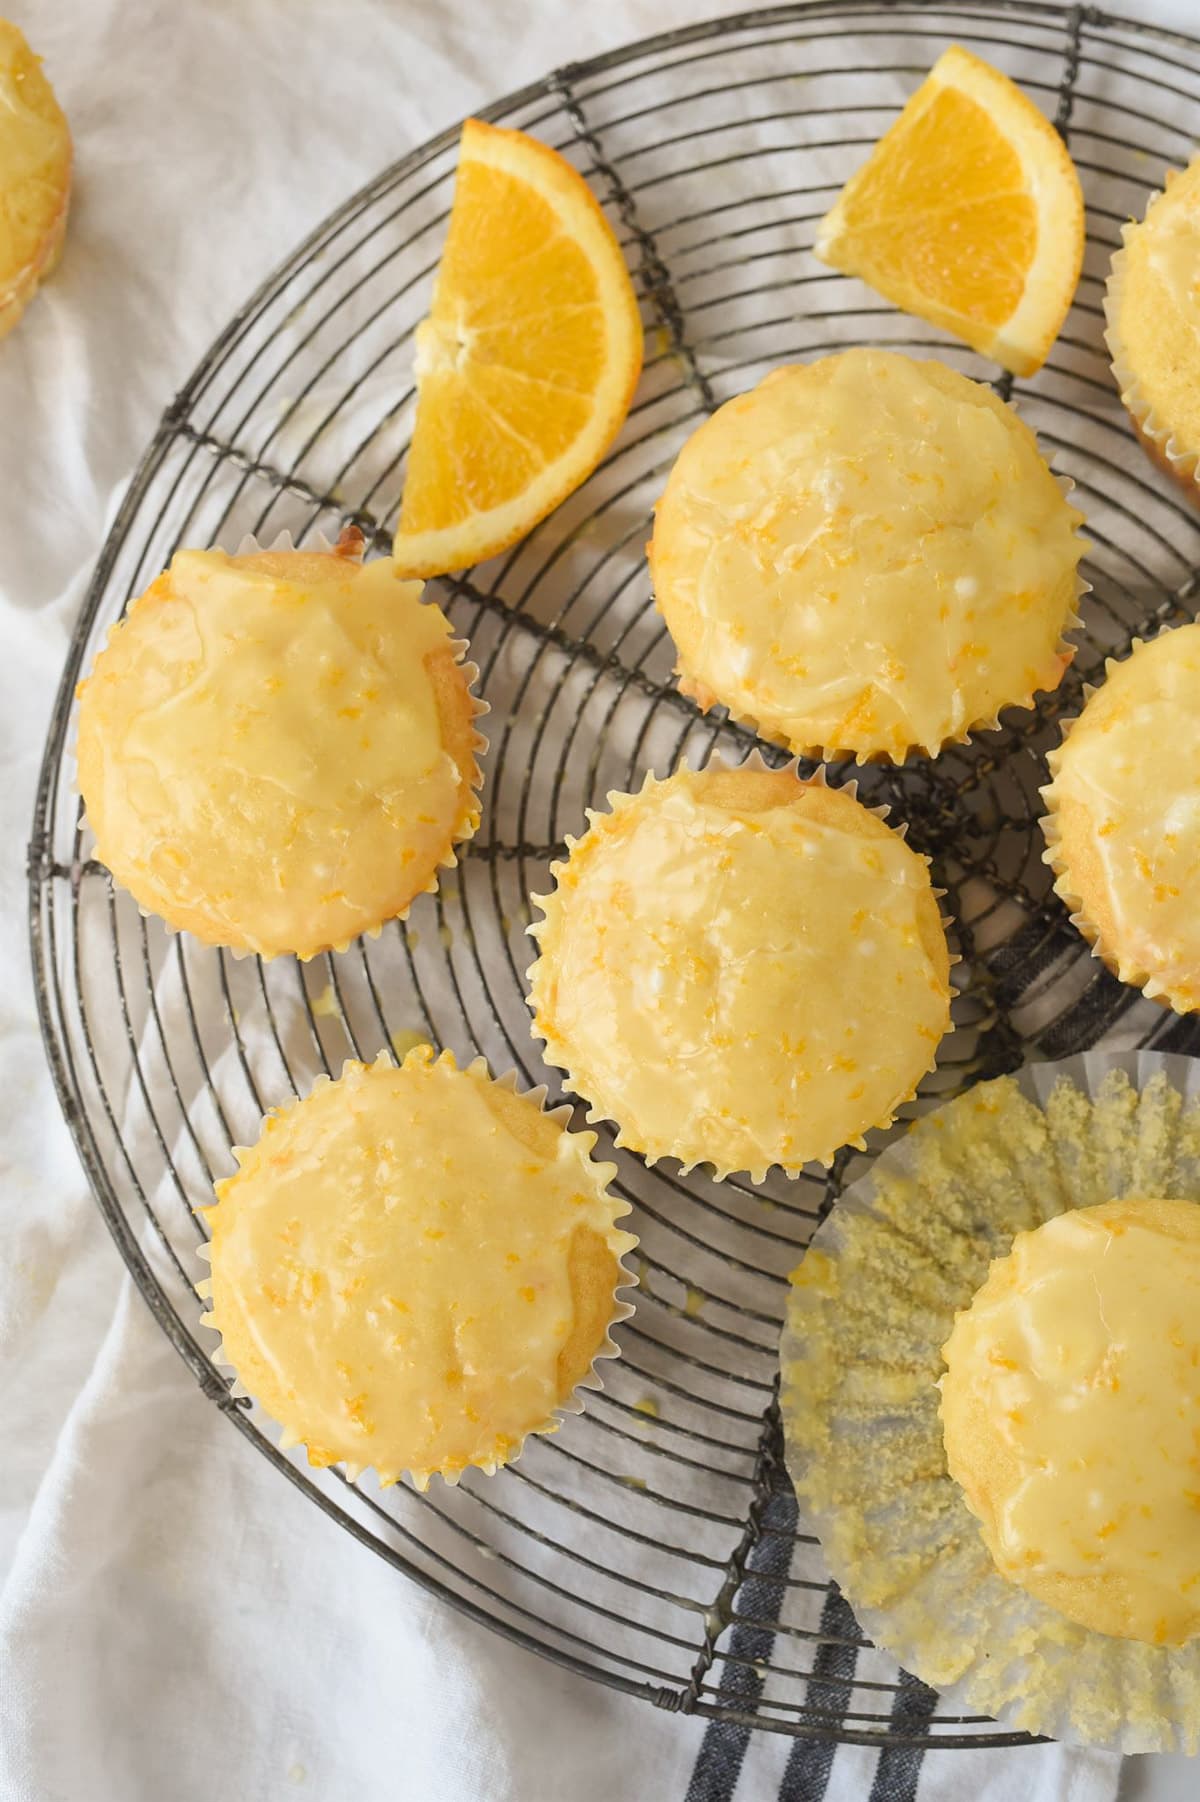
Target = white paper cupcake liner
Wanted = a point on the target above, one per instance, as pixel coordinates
(557, 1054)
(464, 830)
(622, 1243)
(904, 1248)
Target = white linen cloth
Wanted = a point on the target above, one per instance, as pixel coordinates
(176, 1623)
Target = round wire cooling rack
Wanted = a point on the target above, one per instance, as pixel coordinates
(651, 1543)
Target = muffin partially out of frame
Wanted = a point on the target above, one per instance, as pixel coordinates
(1152, 308)
(35, 176)
(1123, 821)
(277, 750)
(415, 1268)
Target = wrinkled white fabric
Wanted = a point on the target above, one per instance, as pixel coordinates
(176, 1622)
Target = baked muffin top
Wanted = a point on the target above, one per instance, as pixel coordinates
(741, 968)
(414, 1267)
(867, 555)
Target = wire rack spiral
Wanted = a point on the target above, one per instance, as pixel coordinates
(651, 1543)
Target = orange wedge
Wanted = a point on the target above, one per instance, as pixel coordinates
(528, 361)
(968, 213)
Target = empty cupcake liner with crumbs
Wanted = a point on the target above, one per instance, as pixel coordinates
(871, 1306)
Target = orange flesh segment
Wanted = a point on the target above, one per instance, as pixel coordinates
(949, 218)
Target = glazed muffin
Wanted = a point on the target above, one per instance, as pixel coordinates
(35, 176)
(741, 969)
(1152, 306)
(277, 750)
(1123, 823)
(415, 1268)
(991, 1396)
(866, 555)
(1083, 1344)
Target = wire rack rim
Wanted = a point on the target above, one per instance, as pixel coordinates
(178, 424)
